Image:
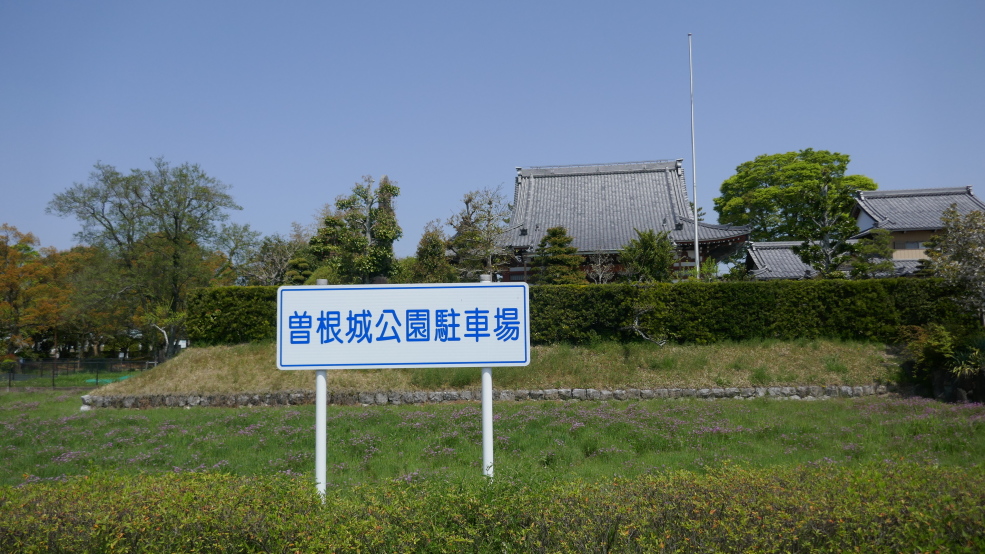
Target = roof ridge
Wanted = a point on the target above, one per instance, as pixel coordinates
(599, 169)
(941, 191)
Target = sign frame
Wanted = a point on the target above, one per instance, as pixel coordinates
(462, 350)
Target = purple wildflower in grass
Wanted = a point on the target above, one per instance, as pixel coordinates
(410, 477)
(139, 458)
(69, 456)
(250, 430)
(438, 450)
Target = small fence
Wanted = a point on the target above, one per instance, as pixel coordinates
(86, 372)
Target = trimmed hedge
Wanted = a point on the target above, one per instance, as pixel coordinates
(681, 312)
(232, 315)
(887, 507)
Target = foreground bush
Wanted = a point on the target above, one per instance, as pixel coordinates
(828, 508)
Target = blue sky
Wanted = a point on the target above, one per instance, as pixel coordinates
(292, 102)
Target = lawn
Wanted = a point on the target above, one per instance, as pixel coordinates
(46, 436)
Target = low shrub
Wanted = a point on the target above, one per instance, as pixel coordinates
(816, 508)
(8, 366)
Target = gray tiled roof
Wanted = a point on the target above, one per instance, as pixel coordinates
(914, 209)
(906, 267)
(600, 205)
(776, 260)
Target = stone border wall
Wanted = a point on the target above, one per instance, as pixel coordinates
(293, 398)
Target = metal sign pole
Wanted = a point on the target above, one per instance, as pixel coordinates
(321, 424)
(321, 430)
(487, 423)
(487, 417)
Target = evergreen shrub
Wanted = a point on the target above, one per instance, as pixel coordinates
(232, 315)
(685, 312)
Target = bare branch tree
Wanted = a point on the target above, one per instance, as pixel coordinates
(601, 270)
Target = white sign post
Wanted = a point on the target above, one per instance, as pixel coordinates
(379, 326)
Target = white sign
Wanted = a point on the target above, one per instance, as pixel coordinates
(377, 326)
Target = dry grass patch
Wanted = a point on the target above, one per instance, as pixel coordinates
(246, 368)
(251, 368)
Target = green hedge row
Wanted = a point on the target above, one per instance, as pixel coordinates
(681, 312)
(887, 507)
(232, 315)
(714, 312)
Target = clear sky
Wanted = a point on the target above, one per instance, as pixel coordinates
(292, 102)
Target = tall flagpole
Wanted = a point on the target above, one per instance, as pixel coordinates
(694, 165)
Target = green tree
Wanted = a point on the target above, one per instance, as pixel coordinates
(873, 256)
(357, 239)
(556, 262)
(958, 255)
(650, 256)
(163, 228)
(431, 263)
(476, 232)
(803, 196)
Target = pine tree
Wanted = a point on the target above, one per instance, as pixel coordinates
(431, 264)
(556, 262)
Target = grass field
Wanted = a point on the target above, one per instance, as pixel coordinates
(46, 437)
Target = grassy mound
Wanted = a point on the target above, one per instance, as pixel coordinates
(252, 368)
